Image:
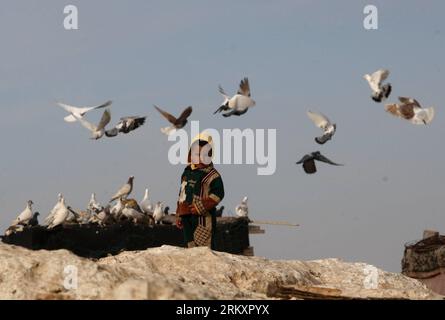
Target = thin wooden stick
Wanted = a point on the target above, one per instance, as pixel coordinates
(277, 223)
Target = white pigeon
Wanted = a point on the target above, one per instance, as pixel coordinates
(60, 215)
(379, 92)
(132, 214)
(79, 111)
(125, 190)
(158, 213)
(321, 121)
(411, 110)
(146, 204)
(116, 210)
(25, 216)
(98, 131)
(94, 205)
(242, 210)
(239, 103)
(50, 216)
(103, 217)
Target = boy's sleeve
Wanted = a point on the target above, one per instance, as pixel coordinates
(181, 207)
(216, 194)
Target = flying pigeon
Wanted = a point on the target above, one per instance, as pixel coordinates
(125, 190)
(25, 216)
(239, 103)
(242, 210)
(379, 92)
(411, 110)
(158, 212)
(79, 111)
(126, 125)
(99, 130)
(146, 205)
(308, 162)
(177, 123)
(325, 124)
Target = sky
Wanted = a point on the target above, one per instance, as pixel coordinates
(298, 55)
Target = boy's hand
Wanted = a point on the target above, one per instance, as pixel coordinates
(192, 209)
(179, 223)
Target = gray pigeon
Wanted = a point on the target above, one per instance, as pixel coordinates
(125, 190)
(308, 162)
(126, 125)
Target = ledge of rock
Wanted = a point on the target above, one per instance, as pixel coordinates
(176, 273)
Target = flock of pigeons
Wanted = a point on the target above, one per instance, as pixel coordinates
(124, 209)
(408, 109)
(236, 105)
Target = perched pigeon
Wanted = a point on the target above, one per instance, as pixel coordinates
(177, 123)
(166, 211)
(79, 111)
(242, 210)
(93, 205)
(379, 92)
(34, 220)
(125, 190)
(132, 214)
(158, 212)
(239, 103)
(25, 216)
(50, 217)
(98, 131)
(60, 215)
(411, 110)
(146, 204)
(116, 210)
(308, 162)
(219, 211)
(323, 122)
(126, 125)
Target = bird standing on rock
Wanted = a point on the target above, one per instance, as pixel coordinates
(25, 216)
(125, 190)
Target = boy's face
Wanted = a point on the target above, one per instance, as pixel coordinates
(200, 155)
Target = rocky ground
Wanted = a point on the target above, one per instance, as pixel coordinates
(199, 273)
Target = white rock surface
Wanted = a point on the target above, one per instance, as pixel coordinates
(177, 273)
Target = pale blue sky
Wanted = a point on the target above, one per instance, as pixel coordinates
(298, 55)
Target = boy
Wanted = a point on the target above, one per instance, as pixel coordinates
(201, 191)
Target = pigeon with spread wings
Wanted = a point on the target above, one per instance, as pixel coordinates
(308, 162)
(411, 110)
(126, 125)
(240, 103)
(80, 111)
(177, 123)
(98, 131)
(321, 121)
(379, 92)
